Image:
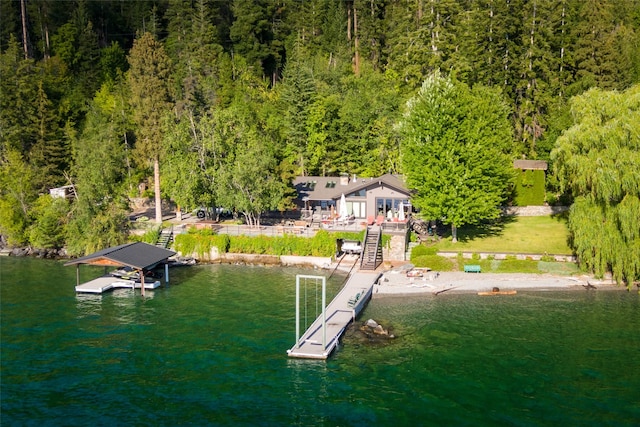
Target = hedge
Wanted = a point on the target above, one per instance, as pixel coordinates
(530, 188)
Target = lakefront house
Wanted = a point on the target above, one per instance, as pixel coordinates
(352, 198)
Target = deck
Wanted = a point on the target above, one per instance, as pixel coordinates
(344, 308)
(107, 283)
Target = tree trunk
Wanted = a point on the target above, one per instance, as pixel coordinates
(356, 44)
(454, 233)
(156, 189)
(23, 13)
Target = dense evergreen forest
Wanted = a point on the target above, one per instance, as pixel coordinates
(222, 102)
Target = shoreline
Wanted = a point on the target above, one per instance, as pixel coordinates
(396, 283)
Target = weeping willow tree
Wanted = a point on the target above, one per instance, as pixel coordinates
(598, 160)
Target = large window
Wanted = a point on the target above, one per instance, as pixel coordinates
(390, 208)
(357, 209)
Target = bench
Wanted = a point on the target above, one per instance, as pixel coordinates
(354, 300)
(472, 268)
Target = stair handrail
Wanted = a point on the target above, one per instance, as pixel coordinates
(378, 248)
(364, 248)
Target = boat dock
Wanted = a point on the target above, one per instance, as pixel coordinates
(107, 283)
(344, 308)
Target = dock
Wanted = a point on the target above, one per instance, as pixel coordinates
(107, 283)
(340, 312)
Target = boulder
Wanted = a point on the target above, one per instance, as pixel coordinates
(371, 324)
(380, 330)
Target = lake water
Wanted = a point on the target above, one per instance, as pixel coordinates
(210, 349)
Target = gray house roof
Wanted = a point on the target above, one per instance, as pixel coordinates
(136, 255)
(315, 188)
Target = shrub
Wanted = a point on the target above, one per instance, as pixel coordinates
(48, 227)
(422, 250)
(201, 242)
(434, 262)
(530, 188)
(150, 236)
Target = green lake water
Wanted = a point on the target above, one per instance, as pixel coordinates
(210, 349)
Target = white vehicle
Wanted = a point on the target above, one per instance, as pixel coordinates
(352, 247)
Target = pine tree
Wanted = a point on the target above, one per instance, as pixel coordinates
(148, 77)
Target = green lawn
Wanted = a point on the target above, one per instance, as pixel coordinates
(536, 235)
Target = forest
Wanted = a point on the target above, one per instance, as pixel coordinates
(222, 102)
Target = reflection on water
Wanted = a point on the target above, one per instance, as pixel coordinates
(211, 349)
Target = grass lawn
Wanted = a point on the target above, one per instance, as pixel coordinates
(526, 235)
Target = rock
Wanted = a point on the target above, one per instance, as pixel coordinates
(371, 324)
(380, 330)
(20, 252)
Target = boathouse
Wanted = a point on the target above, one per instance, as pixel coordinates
(139, 257)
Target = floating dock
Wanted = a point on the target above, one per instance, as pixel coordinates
(107, 283)
(318, 342)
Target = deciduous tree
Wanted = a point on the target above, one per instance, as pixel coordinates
(454, 151)
(598, 161)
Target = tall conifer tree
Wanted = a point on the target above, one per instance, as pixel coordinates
(148, 76)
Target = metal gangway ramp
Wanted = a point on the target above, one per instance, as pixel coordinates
(322, 337)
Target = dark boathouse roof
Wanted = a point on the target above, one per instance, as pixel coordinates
(136, 255)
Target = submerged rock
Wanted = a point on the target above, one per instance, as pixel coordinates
(370, 332)
(371, 323)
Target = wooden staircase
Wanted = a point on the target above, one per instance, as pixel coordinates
(165, 238)
(372, 251)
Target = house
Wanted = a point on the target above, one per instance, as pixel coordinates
(65, 192)
(319, 197)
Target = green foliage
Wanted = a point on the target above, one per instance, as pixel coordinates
(422, 250)
(49, 216)
(530, 188)
(201, 242)
(598, 160)
(454, 152)
(298, 78)
(434, 262)
(99, 214)
(150, 236)
(17, 195)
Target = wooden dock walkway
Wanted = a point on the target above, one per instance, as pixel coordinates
(344, 308)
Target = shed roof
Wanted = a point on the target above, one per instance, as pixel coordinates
(530, 164)
(136, 255)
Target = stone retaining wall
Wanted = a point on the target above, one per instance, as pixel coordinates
(502, 256)
(287, 260)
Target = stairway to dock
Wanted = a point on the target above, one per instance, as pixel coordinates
(318, 342)
(165, 238)
(372, 251)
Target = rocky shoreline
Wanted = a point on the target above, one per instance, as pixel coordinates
(35, 253)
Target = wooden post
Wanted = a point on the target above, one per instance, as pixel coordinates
(141, 272)
(77, 274)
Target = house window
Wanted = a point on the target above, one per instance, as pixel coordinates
(357, 209)
(389, 208)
